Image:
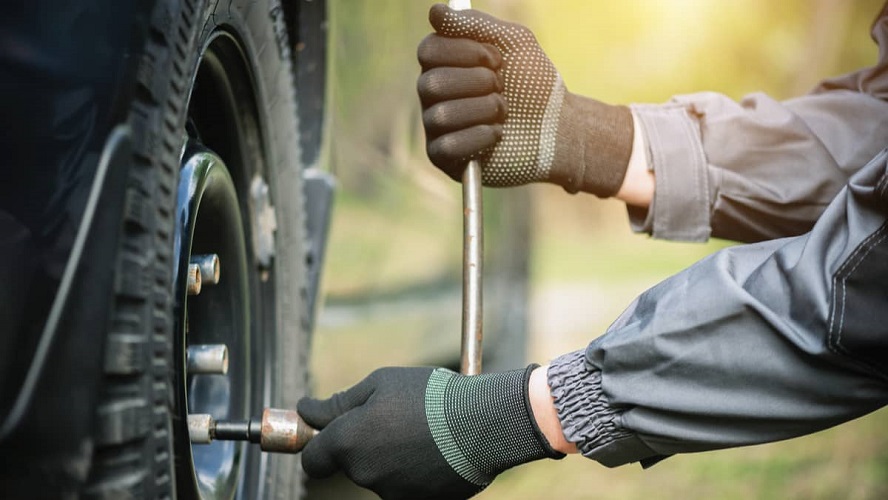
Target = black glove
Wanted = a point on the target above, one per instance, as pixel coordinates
(424, 433)
(489, 92)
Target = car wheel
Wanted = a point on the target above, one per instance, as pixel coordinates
(212, 260)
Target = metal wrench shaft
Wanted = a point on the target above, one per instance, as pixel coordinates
(473, 248)
(473, 251)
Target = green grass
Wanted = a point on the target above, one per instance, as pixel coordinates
(391, 240)
(847, 462)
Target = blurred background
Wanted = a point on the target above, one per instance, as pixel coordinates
(559, 268)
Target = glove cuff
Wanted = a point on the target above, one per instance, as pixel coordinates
(594, 143)
(484, 424)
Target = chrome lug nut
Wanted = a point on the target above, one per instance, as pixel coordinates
(193, 279)
(200, 428)
(209, 267)
(207, 359)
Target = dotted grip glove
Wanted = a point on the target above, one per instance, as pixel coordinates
(489, 92)
(424, 433)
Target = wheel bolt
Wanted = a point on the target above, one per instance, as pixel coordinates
(193, 279)
(209, 267)
(207, 359)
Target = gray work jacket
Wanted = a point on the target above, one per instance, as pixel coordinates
(778, 338)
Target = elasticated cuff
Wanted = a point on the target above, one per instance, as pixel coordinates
(680, 209)
(587, 419)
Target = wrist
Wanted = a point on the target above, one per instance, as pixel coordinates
(483, 424)
(544, 413)
(638, 184)
(593, 148)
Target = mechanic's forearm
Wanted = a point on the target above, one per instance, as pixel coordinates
(754, 344)
(756, 169)
(543, 405)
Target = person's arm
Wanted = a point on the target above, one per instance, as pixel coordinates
(700, 165)
(759, 168)
(754, 344)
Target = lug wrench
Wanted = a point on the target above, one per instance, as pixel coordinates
(284, 431)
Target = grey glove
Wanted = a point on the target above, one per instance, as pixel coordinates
(489, 92)
(424, 433)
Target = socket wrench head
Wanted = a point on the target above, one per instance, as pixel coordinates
(284, 431)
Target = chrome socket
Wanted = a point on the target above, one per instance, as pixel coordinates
(284, 431)
(207, 359)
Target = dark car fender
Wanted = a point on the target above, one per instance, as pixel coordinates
(51, 417)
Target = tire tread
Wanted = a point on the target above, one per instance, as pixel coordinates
(132, 431)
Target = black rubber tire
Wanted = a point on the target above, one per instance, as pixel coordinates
(133, 454)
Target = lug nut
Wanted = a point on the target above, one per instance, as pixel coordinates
(200, 428)
(207, 359)
(209, 267)
(193, 279)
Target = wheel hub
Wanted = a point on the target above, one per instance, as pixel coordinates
(212, 308)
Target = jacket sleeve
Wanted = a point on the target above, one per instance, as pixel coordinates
(760, 168)
(756, 343)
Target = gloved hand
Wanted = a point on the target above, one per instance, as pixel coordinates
(489, 92)
(424, 433)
